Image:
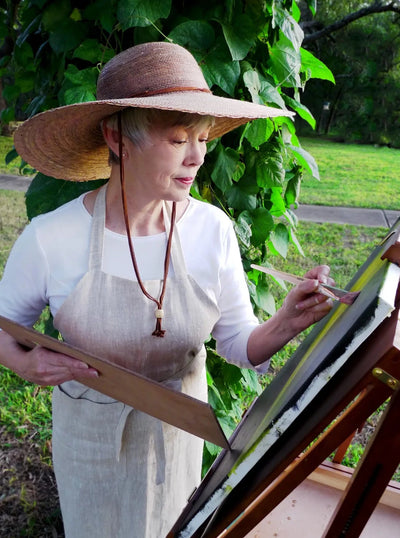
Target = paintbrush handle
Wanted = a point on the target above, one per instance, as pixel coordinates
(293, 279)
(325, 289)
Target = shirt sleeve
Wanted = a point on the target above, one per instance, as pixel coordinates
(237, 320)
(23, 286)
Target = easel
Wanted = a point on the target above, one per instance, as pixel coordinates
(373, 473)
(372, 378)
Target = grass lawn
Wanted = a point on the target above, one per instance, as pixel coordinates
(352, 175)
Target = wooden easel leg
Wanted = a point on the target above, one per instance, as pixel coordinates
(366, 403)
(371, 477)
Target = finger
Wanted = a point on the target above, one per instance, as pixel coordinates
(53, 368)
(315, 302)
(318, 270)
(62, 375)
(321, 273)
(69, 363)
(309, 286)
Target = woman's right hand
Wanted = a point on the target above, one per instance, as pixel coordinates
(40, 365)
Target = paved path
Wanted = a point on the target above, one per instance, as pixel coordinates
(312, 213)
(348, 215)
(14, 183)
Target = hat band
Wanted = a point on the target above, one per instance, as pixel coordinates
(147, 93)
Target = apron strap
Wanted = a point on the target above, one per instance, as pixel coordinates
(97, 230)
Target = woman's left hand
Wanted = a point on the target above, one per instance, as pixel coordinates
(303, 305)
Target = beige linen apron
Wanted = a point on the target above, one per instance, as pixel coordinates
(120, 472)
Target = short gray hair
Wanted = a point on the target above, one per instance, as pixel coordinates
(137, 124)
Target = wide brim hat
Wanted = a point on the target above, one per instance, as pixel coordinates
(67, 142)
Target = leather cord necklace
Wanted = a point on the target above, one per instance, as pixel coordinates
(159, 312)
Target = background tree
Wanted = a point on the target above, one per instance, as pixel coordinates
(359, 41)
(247, 49)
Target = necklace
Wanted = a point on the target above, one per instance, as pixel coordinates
(159, 312)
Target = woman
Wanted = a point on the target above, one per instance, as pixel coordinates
(139, 273)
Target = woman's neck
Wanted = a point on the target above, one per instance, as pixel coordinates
(145, 217)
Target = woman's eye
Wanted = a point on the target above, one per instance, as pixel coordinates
(179, 141)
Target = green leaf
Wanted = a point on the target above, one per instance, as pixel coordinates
(239, 171)
(11, 156)
(225, 167)
(240, 36)
(46, 193)
(219, 69)
(11, 92)
(296, 11)
(228, 424)
(214, 450)
(264, 299)
(262, 225)
(67, 35)
(285, 61)
(305, 159)
(7, 115)
(269, 168)
(78, 94)
(237, 198)
(280, 239)
(278, 207)
(25, 81)
(295, 241)
(55, 14)
(81, 76)
(292, 191)
(23, 56)
(314, 67)
(258, 131)
(301, 110)
(251, 380)
(232, 374)
(261, 90)
(100, 10)
(93, 51)
(288, 26)
(194, 35)
(132, 13)
(79, 85)
(312, 4)
(242, 228)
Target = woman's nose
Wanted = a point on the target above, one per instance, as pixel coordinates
(195, 154)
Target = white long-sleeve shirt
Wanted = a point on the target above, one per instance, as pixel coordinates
(51, 256)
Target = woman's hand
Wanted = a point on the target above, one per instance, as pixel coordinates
(45, 367)
(303, 306)
(40, 365)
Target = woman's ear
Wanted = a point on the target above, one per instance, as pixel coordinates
(111, 136)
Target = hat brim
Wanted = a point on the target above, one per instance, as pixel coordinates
(67, 142)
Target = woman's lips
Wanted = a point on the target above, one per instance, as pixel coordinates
(185, 180)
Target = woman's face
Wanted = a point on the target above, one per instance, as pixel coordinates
(165, 168)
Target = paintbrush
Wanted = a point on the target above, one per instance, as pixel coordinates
(343, 296)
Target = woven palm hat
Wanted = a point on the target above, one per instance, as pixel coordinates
(67, 142)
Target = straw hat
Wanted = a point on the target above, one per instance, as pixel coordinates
(67, 142)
